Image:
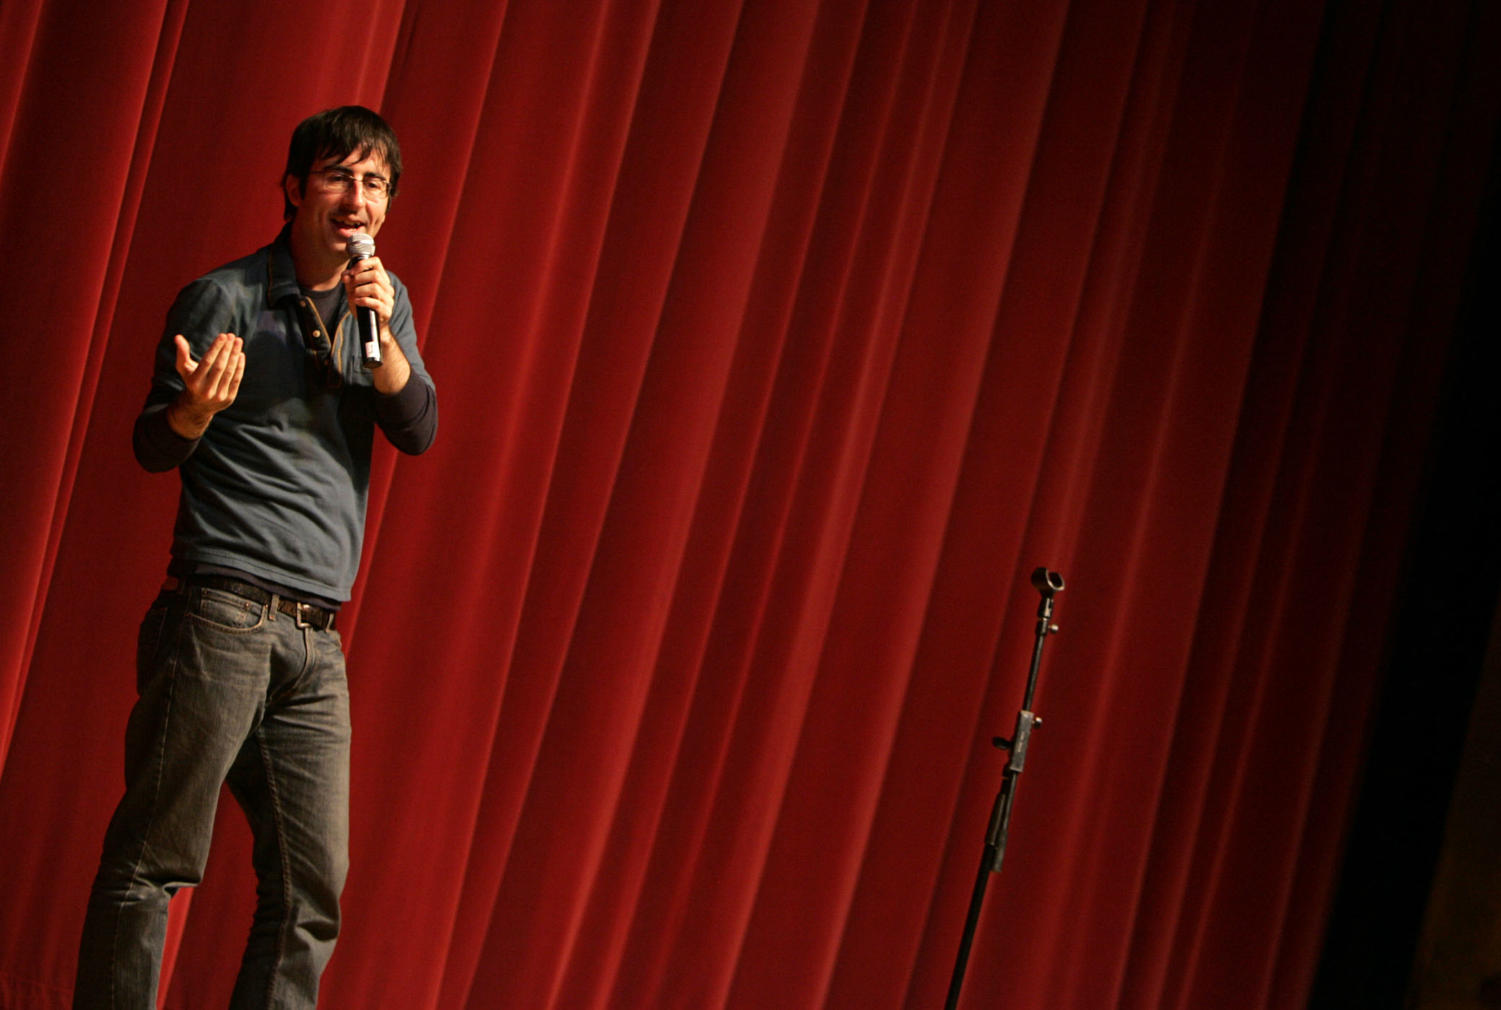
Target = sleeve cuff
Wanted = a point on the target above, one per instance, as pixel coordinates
(157, 446)
(409, 417)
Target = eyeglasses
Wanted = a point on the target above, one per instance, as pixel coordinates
(341, 180)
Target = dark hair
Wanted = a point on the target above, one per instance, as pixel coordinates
(336, 133)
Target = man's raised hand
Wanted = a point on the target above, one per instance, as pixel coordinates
(210, 384)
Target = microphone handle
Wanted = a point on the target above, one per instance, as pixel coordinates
(369, 330)
(369, 336)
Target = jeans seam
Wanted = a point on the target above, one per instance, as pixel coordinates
(169, 672)
(279, 829)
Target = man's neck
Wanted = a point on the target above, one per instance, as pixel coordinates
(315, 270)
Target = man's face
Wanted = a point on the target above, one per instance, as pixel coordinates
(338, 199)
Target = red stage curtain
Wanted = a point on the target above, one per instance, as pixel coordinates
(776, 342)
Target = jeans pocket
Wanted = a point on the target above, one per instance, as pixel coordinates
(226, 611)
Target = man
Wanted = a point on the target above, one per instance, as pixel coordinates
(269, 417)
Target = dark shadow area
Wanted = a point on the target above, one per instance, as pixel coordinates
(1413, 814)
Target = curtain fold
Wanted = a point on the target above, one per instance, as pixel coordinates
(776, 342)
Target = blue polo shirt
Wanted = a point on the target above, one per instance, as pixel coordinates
(276, 487)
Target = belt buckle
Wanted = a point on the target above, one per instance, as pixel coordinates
(301, 622)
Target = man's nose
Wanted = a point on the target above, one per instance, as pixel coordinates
(354, 197)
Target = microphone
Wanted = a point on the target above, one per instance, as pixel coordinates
(362, 246)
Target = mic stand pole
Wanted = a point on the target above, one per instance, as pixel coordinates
(1047, 583)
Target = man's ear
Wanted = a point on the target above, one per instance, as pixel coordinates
(292, 186)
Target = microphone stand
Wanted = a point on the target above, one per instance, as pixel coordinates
(1046, 582)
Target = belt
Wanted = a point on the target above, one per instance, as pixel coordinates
(306, 614)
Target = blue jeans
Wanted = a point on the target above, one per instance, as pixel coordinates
(229, 691)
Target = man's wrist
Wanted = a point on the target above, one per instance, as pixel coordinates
(186, 422)
(394, 371)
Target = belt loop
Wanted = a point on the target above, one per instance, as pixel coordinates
(272, 607)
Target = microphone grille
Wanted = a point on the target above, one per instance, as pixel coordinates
(361, 245)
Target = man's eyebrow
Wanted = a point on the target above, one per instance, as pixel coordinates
(348, 171)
